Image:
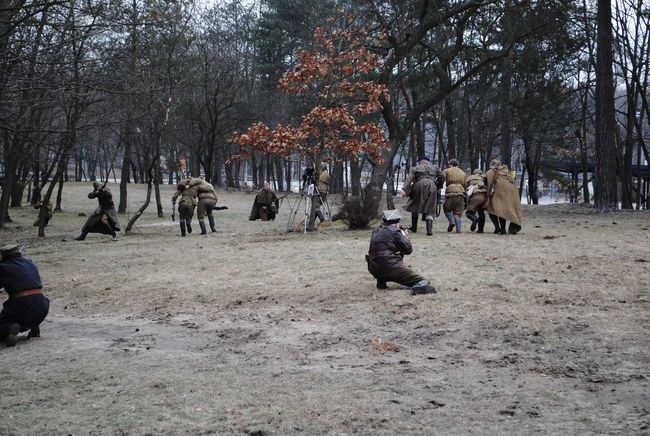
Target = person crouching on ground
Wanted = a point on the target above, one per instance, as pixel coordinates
(388, 246)
(265, 205)
(26, 307)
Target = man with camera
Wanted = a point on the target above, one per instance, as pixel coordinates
(388, 246)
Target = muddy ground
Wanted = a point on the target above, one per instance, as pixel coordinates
(254, 330)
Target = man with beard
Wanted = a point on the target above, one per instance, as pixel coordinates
(104, 218)
(421, 186)
(26, 307)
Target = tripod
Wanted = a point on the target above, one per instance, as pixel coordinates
(307, 196)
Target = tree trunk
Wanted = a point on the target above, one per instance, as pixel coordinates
(606, 188)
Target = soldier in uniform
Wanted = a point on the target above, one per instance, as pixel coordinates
(476, 193)
(26, 307)
(421, 186)
(207, 202)
(265, 205)
(388, 246)
(456, 181)
(104, 218)
(503, 203)
(188, 201)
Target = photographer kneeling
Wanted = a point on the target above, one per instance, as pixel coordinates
(388, 246)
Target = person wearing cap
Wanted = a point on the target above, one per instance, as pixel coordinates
(26, 307)
(265, 205)
(104, 218)
(456, 181)
(389, 244)
(421, 187)
(476, 194)
(503, 203)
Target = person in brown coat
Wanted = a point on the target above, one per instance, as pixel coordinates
(476, 194)
(503, 203)
(389, 244)
(188, 201)
(456, 181)
(265, 205)
(104, 218)
(421, 186)
(207, 201)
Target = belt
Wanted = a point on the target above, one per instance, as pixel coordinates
(25, 293)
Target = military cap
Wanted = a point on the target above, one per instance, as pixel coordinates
(96, 184)
(478, 171)
(391, 215)
(10, 249)
(423, 158)
(453, 162)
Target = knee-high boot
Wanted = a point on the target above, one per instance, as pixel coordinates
(495, 221)
(182, 224)
(450, 218)
(502, 226)
(414, 223)
(481, 222)
(429, 227)
(458, 223)
(188, 223)
(211, 221)
(202, 225)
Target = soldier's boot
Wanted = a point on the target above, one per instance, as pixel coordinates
(429, 227)
(502, 226)
(495, 221)
(422, 287)
(474, 219)
(12, 335)
(202, 225)
(320, 216)
(458, 223)
(182, 224)
(188, 224)
(450, 218)
(381, 284)
(211, 221)
(34, 332)
(414, 223)
(81, 237)
(481, 224)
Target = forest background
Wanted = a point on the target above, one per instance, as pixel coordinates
(151, 91)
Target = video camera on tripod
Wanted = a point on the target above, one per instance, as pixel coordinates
(308, 181)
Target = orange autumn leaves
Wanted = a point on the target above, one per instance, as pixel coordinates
(343, 123)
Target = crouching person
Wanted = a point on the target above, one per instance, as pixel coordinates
(388, 246)
(26, 307)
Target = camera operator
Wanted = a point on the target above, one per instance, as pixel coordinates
(388, 246)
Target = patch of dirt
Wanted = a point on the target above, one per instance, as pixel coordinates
(253, 330)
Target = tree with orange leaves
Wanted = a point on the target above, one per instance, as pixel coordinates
(343, 124)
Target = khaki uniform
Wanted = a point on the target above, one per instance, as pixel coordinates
(187, 201)
(476, 192)
(456, 181)
(503, 202)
